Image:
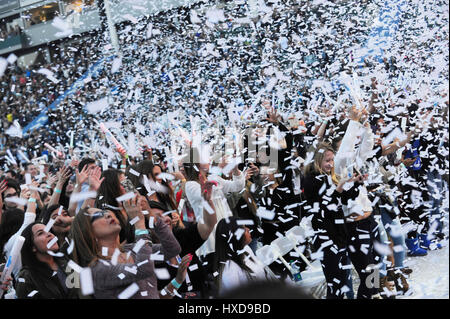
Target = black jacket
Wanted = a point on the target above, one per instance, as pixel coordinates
(48, 284)
(328, 217)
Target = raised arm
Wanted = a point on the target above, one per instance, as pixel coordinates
(209, 216)
(63, 175)
(347, 148)
(396, 144)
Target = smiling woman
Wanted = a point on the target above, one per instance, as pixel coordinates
(43, 274)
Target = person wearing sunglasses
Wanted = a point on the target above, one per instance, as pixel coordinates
(116, 266)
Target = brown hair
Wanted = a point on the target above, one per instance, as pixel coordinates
(86, 251)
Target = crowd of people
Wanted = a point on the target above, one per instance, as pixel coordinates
(231, 128)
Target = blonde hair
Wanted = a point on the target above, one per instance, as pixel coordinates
(315, 165)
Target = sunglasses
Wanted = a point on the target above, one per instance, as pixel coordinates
(97, 215)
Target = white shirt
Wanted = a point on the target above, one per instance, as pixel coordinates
(234, 276)
(195, 198)
(348, 157)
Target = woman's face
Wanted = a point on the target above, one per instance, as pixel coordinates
(104, 223)
(327, 162)
(41, 238)
(62, 222)
(156, 171)
(47, 200)
(247, 236)
(69, 188)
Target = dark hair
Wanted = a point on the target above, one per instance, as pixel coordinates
(28, 164)
(109, 189)
(107, 193)
(135, 179)
(47, 212)
(13, 184)
(191, 165)
(85, 251)
(13, 173)
(12, 220)
(146, 168)
(227, 246)
(40, 272)
(84, 162)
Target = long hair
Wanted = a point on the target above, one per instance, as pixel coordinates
(12, 220)
(47, 212)
(315, 166)
(107, 193)
(109, 189)
(40, 272)
(85, 251)
(228, 246)
(145, 168)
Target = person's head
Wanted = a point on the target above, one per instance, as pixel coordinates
(35, 249)
(70, 185)
(12, 220)
(59, 214)
(31, 169)
(323, 161)
(192, 166)
(89, 228)
(231, 239)
(148, 168)
(89, 162)
(12, 190)
(11, 174)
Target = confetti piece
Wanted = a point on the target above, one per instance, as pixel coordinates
(79, 197)
(126, 197)
(162, 273)
(129, 291)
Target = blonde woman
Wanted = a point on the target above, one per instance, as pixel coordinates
(334, 236)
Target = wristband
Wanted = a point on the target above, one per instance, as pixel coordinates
(57, 191)
(139, 232)
(32, 200)
(175, 284)
(123, 166)
(168, 292)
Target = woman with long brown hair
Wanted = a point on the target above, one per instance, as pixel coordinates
(115, 267)
(334, 236)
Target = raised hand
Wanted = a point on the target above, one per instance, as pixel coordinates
(3, 187)
(182, 268)
(94, 178)
(52, 179)
(64, 174)
(122, 152)
(206, 187)
(82, 176)
(253, 170)
(133, 207)
(272, 116)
